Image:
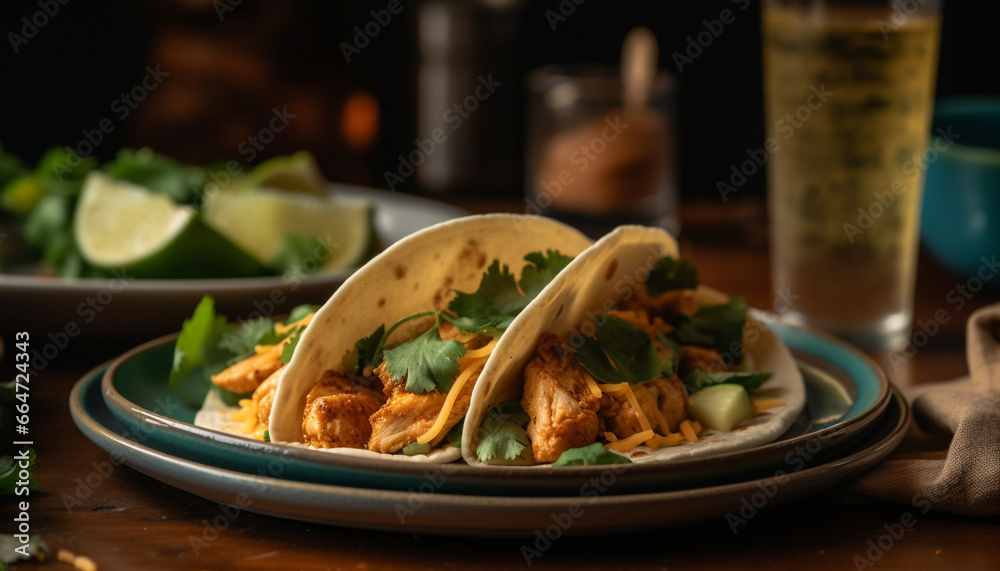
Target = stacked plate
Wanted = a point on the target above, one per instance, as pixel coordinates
(852, 419)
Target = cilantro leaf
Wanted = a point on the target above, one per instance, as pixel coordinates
(502, 435)
(500, 298)
(300, 312)
(426, 361)
(158, 173)
(542, 270)
(197, 353)
(670, 360)
(241, 340)
(414, 448)
(620, 352)
(454, 436)
(366, 351)
(696, 379)
(718, 326)
(289, 349)
(672, 274)
(494, 304)
(589, 456)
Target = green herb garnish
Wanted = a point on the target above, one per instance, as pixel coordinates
(717, 326)
(672, 274)
(426, 361)
(429, 362)
(207, 344)
(454, 436)
(500, 298)
(198, 353)
(696, 379)
(589, 456)
(502, 434)
(620, 352)
(414, 448)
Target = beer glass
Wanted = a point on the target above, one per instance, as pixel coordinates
(849, 94)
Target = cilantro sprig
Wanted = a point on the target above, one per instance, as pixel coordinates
(428, 362)
(502, 437)
(500, 298)
(717, 326)
(672, 274)
(594, 454)
(620, 352)
(208, 343)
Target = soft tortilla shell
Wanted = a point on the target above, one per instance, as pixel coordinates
(418, 273)
(609, 272)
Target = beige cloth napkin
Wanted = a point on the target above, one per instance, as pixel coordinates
(950, 460)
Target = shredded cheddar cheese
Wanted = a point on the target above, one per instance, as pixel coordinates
(643, 421)
(484, 351)
(276, 349)
(661, 420)
(765, 404)
(688, 431)
(612, 387)
(658, 442)
(592, 385)
(449, 402)
(611, 436)
(247, 416)
(282, 329)
(627, 444)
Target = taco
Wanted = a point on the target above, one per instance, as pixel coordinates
(609, 367)
(387, 366)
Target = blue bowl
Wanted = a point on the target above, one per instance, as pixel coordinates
(961, 211)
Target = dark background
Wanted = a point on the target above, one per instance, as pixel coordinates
(231, 64)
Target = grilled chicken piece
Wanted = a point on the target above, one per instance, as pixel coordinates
(708, 360)
(337, 411)
(671, 399)
(562, 409)
(248, 374)
(667, 394)
(263, 397)
(618, 416)
(405, 415)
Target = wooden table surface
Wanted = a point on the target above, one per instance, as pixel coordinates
(131, 521)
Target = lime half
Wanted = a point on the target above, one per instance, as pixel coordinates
(339, 230)
(297, 172)
(119, 225)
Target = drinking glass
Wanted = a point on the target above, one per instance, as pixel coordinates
(849, 94)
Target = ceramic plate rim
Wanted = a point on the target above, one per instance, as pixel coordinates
(357, 501)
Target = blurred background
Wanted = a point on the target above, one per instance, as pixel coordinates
(201, 80)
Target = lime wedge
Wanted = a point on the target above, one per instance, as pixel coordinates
(297, 173)
(262, 222)
(119, 225)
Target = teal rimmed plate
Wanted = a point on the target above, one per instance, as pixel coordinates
(426, 509)
(846, 391)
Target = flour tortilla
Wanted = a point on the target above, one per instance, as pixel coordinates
(419, 273)
(592, 285)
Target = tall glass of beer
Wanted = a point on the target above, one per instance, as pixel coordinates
(849, 94)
